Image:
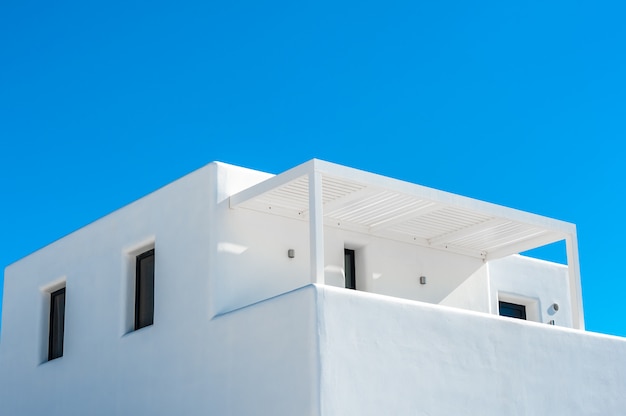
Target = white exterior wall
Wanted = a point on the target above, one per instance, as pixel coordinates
(393, 268)
(187, 362)
(251, 263)
(386, 356)
(252, 253)
(260, 360)
(537, 284)
(239, 330)
(94, 263)
(473, 294)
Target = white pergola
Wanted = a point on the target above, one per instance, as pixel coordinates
(331, 195)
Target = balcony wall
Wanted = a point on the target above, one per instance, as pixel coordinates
(382, 355)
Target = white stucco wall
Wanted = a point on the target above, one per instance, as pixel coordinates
(536, 283)
(238, 329)
(321, 350)
(251, 261)
(189, 361)
(260, 360)
(472, 294)
(93, 263)
(393, 268)
(386, 356)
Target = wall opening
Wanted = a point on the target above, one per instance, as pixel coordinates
(138, 285)
(515, 306)
(512, 310)
(52, 320)
(350, 268)
(56, 327)
(144, 289)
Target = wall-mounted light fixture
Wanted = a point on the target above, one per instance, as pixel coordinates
(291, 253)
(555, 306)
(422, 280)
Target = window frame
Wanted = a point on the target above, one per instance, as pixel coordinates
(514, 307)
(143, 295)
(349, 257)
(56, 328)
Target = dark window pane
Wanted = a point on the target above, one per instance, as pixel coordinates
(512, 310)
(349, 266)
(57, 324)
(144, 290)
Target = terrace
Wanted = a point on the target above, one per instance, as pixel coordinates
(381, 216)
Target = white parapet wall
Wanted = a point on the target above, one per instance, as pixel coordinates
(387, 356)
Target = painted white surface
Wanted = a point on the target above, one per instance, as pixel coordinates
(391, 209)
(473, 294)
(249, 260)
(262, 268)
(393, 268)
(258, 360)
(327, 351)
(386, 356)
(238, 329)
(186, 363)
(539, 283)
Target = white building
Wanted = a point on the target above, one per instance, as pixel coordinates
(223, 293)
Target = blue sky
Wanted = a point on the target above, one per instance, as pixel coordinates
(518, 103)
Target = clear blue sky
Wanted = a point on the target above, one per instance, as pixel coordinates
(518, 103)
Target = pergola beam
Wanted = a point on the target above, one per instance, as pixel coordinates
(527, 243)
(270, 184)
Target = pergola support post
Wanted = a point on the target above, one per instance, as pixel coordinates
(316, 227)
(573, 269)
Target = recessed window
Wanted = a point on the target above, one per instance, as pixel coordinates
(144, 290)
(350, 269)
(57, 324)
(512, 310)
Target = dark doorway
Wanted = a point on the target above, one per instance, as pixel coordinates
(349, 267)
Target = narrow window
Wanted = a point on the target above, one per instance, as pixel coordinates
(57, 324)
(144, 290)
(512, 310)
(349, 268)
